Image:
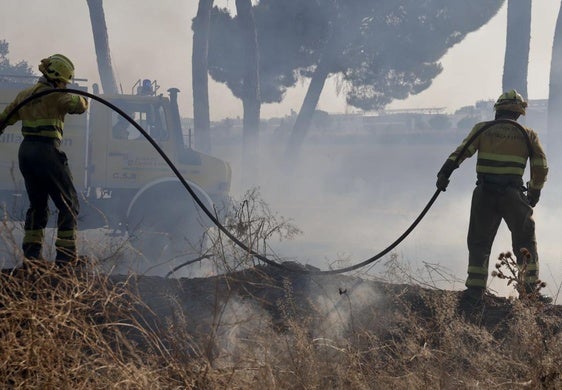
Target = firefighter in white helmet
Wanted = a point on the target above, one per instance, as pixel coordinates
(43, 164)
(503, 151)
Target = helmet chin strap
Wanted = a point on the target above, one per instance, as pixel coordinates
(59, 84)
(52, 83)
(500, 114)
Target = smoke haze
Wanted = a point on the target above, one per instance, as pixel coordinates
(351, 200)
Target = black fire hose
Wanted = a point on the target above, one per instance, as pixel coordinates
(218, 223)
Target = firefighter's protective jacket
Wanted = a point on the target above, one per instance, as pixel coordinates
(503, 150)
(43, 116)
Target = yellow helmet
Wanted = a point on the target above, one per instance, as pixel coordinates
(57, 67)
(511, 101)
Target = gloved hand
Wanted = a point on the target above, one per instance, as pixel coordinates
(533, 196)
(444, 173)
(442, 182)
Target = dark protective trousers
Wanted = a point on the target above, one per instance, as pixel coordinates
(44, 167)
(491, 204)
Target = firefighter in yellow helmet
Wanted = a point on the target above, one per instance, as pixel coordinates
(43, 164)
(503, 151)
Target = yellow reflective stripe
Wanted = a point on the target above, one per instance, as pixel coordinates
(538, 162)
(33, 236)
(500, 170)
(66, 239)
(43, 122)
(475, 283)
(469, 151)
(70, 244)
(467, 154)
(477, 270)
(503, 157)
(534, 185)
(531, 279)
(44, 133)
(66, 234)
(532, 267)
(501, 164)
(50, 128)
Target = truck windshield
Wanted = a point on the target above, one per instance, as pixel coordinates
(150, 117)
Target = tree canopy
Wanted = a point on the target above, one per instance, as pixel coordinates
(384, 50)
(399, 46)
(288, 37)
(21, 68)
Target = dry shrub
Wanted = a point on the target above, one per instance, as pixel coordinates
(508, 269)
(70, 328)
(420, 339)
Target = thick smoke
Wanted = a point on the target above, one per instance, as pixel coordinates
(352, 197)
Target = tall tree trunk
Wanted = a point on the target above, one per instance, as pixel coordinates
(335, 43)
(200, 76)
(251, 93)
(516, 62)
(99, 29)
(555, 93)
(306, 113)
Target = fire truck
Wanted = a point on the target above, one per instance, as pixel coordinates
(125, 185)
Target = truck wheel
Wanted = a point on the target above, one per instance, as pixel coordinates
(167, 228)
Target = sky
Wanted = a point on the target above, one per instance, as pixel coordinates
(152, 39)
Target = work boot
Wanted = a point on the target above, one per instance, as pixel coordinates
(65, 257)
(78, 263)
(472, 296)
(33, 267)
(32, 251)
(32, 262)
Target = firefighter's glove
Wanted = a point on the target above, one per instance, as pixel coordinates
(442, 182)
(533, 196)
(444, 174)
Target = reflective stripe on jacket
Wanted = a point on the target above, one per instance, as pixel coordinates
(502, 150)
(44, 116)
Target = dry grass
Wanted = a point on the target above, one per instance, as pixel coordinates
(74, 329)
(66, 329)
(259, 328)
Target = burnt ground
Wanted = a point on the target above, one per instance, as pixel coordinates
(292, 323)
(264, 296)
(346, 302)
